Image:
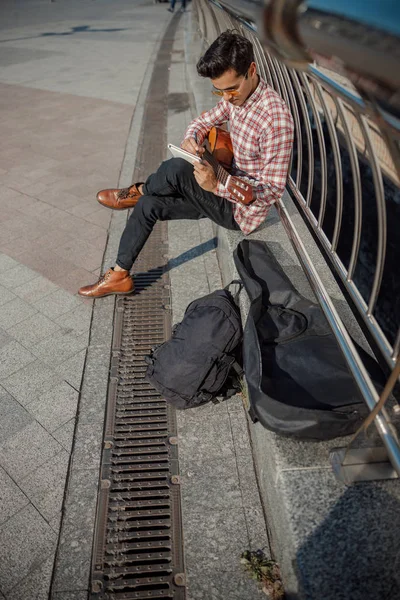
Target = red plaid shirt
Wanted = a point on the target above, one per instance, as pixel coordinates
(262, 137)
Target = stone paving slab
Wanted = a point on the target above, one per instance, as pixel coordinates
(209, 484)
(32, 330)
(13, 356)
(215, 542)
(35, 289)
(11, 497)
(208, 586)
(36, 584)
(13, 417)
(71, 370)
(55, 407)
(5, 295)
(14, 312)
(27, 450)
(77, 320)
(57, 303)
(64, 434)
(28, 384)
(4, 338)
(213, 441)
(45, 486)
(55, 350)
(26, 540)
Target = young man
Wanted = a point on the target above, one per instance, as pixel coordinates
(261, 130)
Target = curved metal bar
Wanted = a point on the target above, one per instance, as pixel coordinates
(299, 137)
(322, 149)
(381, 212)
(271, 65)
(219, 20)
(201, 19)
(338, 166)
(259, 57)
(231, 22)
(215, 25)
(396, 347)
(362, 307)
(246, 20)
(279, 68)
(263, 62)
(355, 169)
(310, 145)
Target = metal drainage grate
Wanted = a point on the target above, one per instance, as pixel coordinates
(138, 540)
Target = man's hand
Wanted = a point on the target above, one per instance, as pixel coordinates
(191, 146)
(205, 177)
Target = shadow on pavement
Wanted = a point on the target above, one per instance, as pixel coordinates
(191, 254)
(364, 525)
(198, 250)
(73, 30)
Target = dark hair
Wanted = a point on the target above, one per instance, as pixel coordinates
(229, 51)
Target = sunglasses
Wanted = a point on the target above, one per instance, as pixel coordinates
(232, 92)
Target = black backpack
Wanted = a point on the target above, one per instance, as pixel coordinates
(297, 378)
(200, 361)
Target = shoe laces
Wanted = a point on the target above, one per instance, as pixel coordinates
(129, 191)
(124, 193)
(104, 277)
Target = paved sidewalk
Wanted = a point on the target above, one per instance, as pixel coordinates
(70, 74)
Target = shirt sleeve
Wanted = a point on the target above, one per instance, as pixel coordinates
(200, 127)
(275, 150)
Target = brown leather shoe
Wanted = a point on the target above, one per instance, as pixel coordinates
(120, 199)
(112, 282)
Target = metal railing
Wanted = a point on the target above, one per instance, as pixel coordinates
(345, 184)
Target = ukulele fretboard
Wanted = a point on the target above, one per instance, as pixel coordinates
(221, 173)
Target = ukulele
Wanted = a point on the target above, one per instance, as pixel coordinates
(220, 158)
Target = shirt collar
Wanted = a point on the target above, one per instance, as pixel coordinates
(255, 96)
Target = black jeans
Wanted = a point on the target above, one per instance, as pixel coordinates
(170, 193)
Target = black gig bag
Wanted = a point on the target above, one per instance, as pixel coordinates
(298, 381)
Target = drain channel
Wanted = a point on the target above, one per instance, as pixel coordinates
(137, 552)
(138, 539)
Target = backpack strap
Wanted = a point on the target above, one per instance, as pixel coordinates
(235, 282)
(253, 415)
(237, 368)
(203, 397)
